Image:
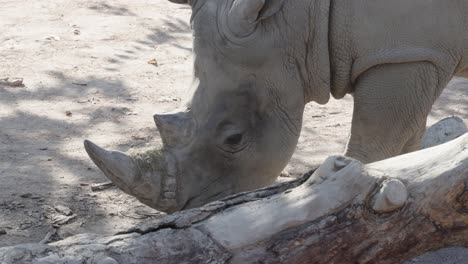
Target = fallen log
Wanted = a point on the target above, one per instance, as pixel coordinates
(345, 212)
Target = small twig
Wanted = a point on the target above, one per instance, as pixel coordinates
(49, 235)
(101, 186)
(80, 84)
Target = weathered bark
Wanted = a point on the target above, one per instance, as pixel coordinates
(345, 212)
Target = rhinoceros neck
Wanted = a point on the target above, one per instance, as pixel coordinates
(317, 59)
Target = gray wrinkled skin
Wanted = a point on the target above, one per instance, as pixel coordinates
(258, 62)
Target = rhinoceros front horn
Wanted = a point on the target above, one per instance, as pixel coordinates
(147, 176)
(244, 15)
(175, 129)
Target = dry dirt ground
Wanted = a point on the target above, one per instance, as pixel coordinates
(86, 76)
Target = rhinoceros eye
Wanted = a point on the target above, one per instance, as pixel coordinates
(233, 139)
(233, 142)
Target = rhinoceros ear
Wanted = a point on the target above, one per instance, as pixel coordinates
(245, 14)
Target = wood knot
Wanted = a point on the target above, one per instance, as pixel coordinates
(391, 196)
(329, 168)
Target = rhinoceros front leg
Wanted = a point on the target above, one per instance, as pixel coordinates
(391, 104)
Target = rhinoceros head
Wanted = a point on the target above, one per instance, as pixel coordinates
(243, 121)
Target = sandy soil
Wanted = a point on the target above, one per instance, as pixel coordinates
(85, 71)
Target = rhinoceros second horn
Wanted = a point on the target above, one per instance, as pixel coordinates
(175, 129)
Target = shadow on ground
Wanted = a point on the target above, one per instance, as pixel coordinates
(41, 151)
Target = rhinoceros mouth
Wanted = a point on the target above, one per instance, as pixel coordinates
(202, 199)
(168, 197)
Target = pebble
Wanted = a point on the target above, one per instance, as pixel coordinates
(26, 195)
(63, 210)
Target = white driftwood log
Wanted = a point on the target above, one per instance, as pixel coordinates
(345, 212)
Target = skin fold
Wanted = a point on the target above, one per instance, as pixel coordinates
(258, 62)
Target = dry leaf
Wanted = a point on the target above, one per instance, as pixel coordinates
(153, 62)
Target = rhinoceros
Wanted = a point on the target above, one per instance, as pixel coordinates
(257, 63)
